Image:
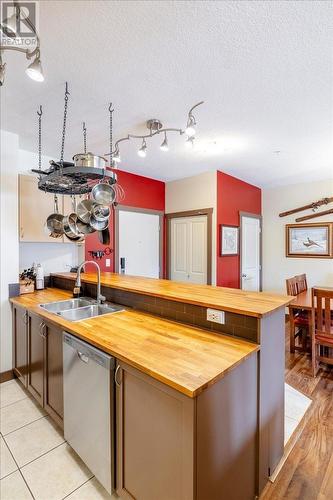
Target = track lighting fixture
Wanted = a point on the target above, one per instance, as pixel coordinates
(35, 71)
(116, 156)
(9, 27)
(155, 127)
(2, 71)
(164, 146)
(143, 150)
(189, 143)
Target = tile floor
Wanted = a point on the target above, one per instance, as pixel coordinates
(36, 462)
(296, 405)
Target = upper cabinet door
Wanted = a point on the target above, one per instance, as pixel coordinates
(35, 207)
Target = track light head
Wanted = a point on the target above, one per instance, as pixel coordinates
(143, 150)
(190, 130)
(116, 157)
(164, 146)
(189, 143)
(35, 70)
(2, 72)
(9, 25)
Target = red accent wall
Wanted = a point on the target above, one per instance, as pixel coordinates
(140, 192)
(233, 196)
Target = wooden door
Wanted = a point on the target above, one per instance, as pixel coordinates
(36, 357)
(20, 344)
(188, 249)
(53, 373)
(34, 208)
(155, 442)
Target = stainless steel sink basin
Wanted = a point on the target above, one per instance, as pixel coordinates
(89, 311)
(64, 305)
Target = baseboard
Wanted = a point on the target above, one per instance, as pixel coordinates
(5, 376)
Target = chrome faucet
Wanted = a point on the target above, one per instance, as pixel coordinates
(100, 298)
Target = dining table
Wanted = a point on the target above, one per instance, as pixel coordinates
(304, 299)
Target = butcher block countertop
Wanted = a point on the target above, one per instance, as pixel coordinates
(256, 304)
(184, 357)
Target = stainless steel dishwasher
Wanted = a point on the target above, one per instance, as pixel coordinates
(89, 406)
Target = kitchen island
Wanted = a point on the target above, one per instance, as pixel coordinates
(194, 411)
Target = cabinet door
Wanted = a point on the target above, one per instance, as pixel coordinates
(35, 207)
(155, 442)
(53, 372)
(20, 344)
(36, 329)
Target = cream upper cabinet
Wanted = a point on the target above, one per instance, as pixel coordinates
(34, 208)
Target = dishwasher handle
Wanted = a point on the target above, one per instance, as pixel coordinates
(83, 357)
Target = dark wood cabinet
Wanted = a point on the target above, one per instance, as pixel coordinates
(20, 344)
(36, 357)
(37, 360)
(170, 446)
(155, 426)
(53, 373)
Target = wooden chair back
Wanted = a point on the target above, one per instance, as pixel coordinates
(321, 311)
(301, 283)
(291, 285)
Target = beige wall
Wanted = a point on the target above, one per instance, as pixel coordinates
(276, 266)
(193, 193)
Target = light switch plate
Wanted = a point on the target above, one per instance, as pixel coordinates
(216, 316)
(108, 262)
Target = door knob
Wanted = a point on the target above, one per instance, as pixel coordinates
(244, 275)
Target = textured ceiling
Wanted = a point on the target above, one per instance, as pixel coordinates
(264, 70)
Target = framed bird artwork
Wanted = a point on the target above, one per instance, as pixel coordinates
(310, 240)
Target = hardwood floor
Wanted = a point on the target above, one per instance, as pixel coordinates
(308, 472)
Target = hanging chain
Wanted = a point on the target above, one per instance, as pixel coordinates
(64, 126)
(111, 137)
(39, 113)
(84, 137)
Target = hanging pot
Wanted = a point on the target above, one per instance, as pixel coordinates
(71, 229)
(103, 193)
(84, 210)
(98, 225)
(89, 160)
(104, 238)
(84, 228)
(55, 221)
(100, 212)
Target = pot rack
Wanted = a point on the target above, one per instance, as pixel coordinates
(65, 178)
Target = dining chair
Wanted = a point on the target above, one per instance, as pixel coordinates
(301, 283)
(298, 321)
(322, 328)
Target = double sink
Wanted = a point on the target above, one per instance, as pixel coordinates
(80, 309)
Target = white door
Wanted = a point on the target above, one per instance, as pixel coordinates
(188, 249)
(139, 244)
(250, 249)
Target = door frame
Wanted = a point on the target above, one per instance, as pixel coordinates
(252, 216)
(191, 213)
(126, 208)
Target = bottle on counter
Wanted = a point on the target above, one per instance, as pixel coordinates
(39, 277)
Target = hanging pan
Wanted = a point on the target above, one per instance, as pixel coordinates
(55, 221)
(103, 193)
(71, 229)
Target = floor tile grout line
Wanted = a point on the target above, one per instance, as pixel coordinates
(43, 454)
(14, 402)
(25, 425)
(87, 481)
(19, 470)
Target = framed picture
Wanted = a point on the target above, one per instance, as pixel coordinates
(229, 241)
(309, 240)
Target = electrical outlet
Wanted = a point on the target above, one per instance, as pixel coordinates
(108, 262)
(215, 316)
